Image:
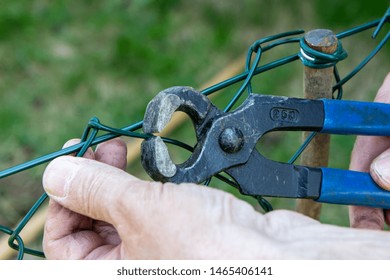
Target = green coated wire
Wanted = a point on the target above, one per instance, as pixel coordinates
(15, 234)
(257, 48)
(386, 17)
(316, 59)
(19, 241)
(363, 62)
(90, 138)
(245, 84)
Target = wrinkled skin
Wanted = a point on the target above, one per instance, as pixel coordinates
(98, 211)
(368, 148)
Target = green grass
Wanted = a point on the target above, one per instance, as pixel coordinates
(62, 63)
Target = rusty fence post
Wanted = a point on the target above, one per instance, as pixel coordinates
(318, 83)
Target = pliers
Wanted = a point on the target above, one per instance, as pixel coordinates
(226, 143)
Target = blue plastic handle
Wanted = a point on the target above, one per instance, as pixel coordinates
(352, 188)
(356, 117)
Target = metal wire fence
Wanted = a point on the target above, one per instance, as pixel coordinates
(307, 55)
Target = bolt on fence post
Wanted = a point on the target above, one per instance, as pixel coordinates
(318, 83)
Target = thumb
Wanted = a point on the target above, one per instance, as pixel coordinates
(85, 186)
(380, 170)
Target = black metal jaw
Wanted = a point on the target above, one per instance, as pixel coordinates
(261, 176)
(226, 142)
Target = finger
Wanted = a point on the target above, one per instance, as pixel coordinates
(57, 212)
(380, 170)
(366, 149)
(62, 222)
(67, 234)
(87, 187)
(113, 152)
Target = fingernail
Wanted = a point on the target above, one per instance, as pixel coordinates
(58, 177)
(381, 168)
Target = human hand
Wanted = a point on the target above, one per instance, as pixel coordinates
(98, 211)
(372, 154)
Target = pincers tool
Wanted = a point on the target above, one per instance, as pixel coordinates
(226, 142)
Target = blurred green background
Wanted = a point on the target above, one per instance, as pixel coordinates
(63, 62)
